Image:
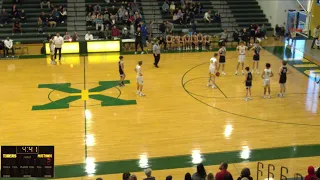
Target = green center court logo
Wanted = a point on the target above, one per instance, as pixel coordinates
(76, 94)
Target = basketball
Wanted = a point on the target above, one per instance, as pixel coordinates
(217, 74)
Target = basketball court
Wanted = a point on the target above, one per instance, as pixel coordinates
(101, 130)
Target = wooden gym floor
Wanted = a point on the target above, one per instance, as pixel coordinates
(101, 130)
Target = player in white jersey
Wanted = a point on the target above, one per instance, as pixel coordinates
(242, 49)
(266, 75)
(212, 70)
(51, 46)
(138, 70)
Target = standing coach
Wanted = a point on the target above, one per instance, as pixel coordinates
(58, 42)
(156, 53)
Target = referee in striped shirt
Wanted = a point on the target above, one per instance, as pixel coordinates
(156, 53)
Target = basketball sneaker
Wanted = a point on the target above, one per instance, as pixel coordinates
(141, 94)
(236, 73)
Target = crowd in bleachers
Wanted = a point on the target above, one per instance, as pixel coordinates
(105, 18)
(17, 16)
(57, 15)
(222, 174)
(185, 11)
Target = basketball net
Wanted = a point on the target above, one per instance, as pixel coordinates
(295, 31)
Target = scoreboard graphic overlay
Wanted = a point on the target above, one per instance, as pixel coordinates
(27, 161)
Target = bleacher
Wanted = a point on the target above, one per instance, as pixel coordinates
(246, 12)
(29, 29)
(103, 4)
(207, 28)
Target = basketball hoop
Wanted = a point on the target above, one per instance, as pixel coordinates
(294, 31)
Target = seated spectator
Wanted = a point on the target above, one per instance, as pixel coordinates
(133, 177)
(16, 26)
(106, 17)
(75, 36)
(264, 31)
(15, 12)
(169, 177)
(172, 7)
(121, 12)
(51, 21)
(165, 7)
(8, 45)
(40, 26)
(207, 17)
(113, 12)
(217, 17)
(125, 33)
(23, 17)
(44, 19)
(148, 174)
(102, 35)
(187, 176)
(99, 23)
(89, 19)
(245, 173)
(137, 15)
(199, 8)
(125, 19)
(14, 9)
(175, 19)
(56, 14)
(236, 35)
(210, 176)
(223, 36)
(97, 8)
(113, 19)
(88, 36)
(245, 36)
(311, 174)
(169, 27)
(135, 6)
(89, 9)
(115, 32)
(45, 2)
(4, 17)
(63, 15)
(67, 37)
(128, 7)
(93, 18)
(223, 174)
(163, 44)
(200, 174)
(180, 16)
(126, 176)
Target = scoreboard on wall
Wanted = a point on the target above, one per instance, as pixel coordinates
(27, 161)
